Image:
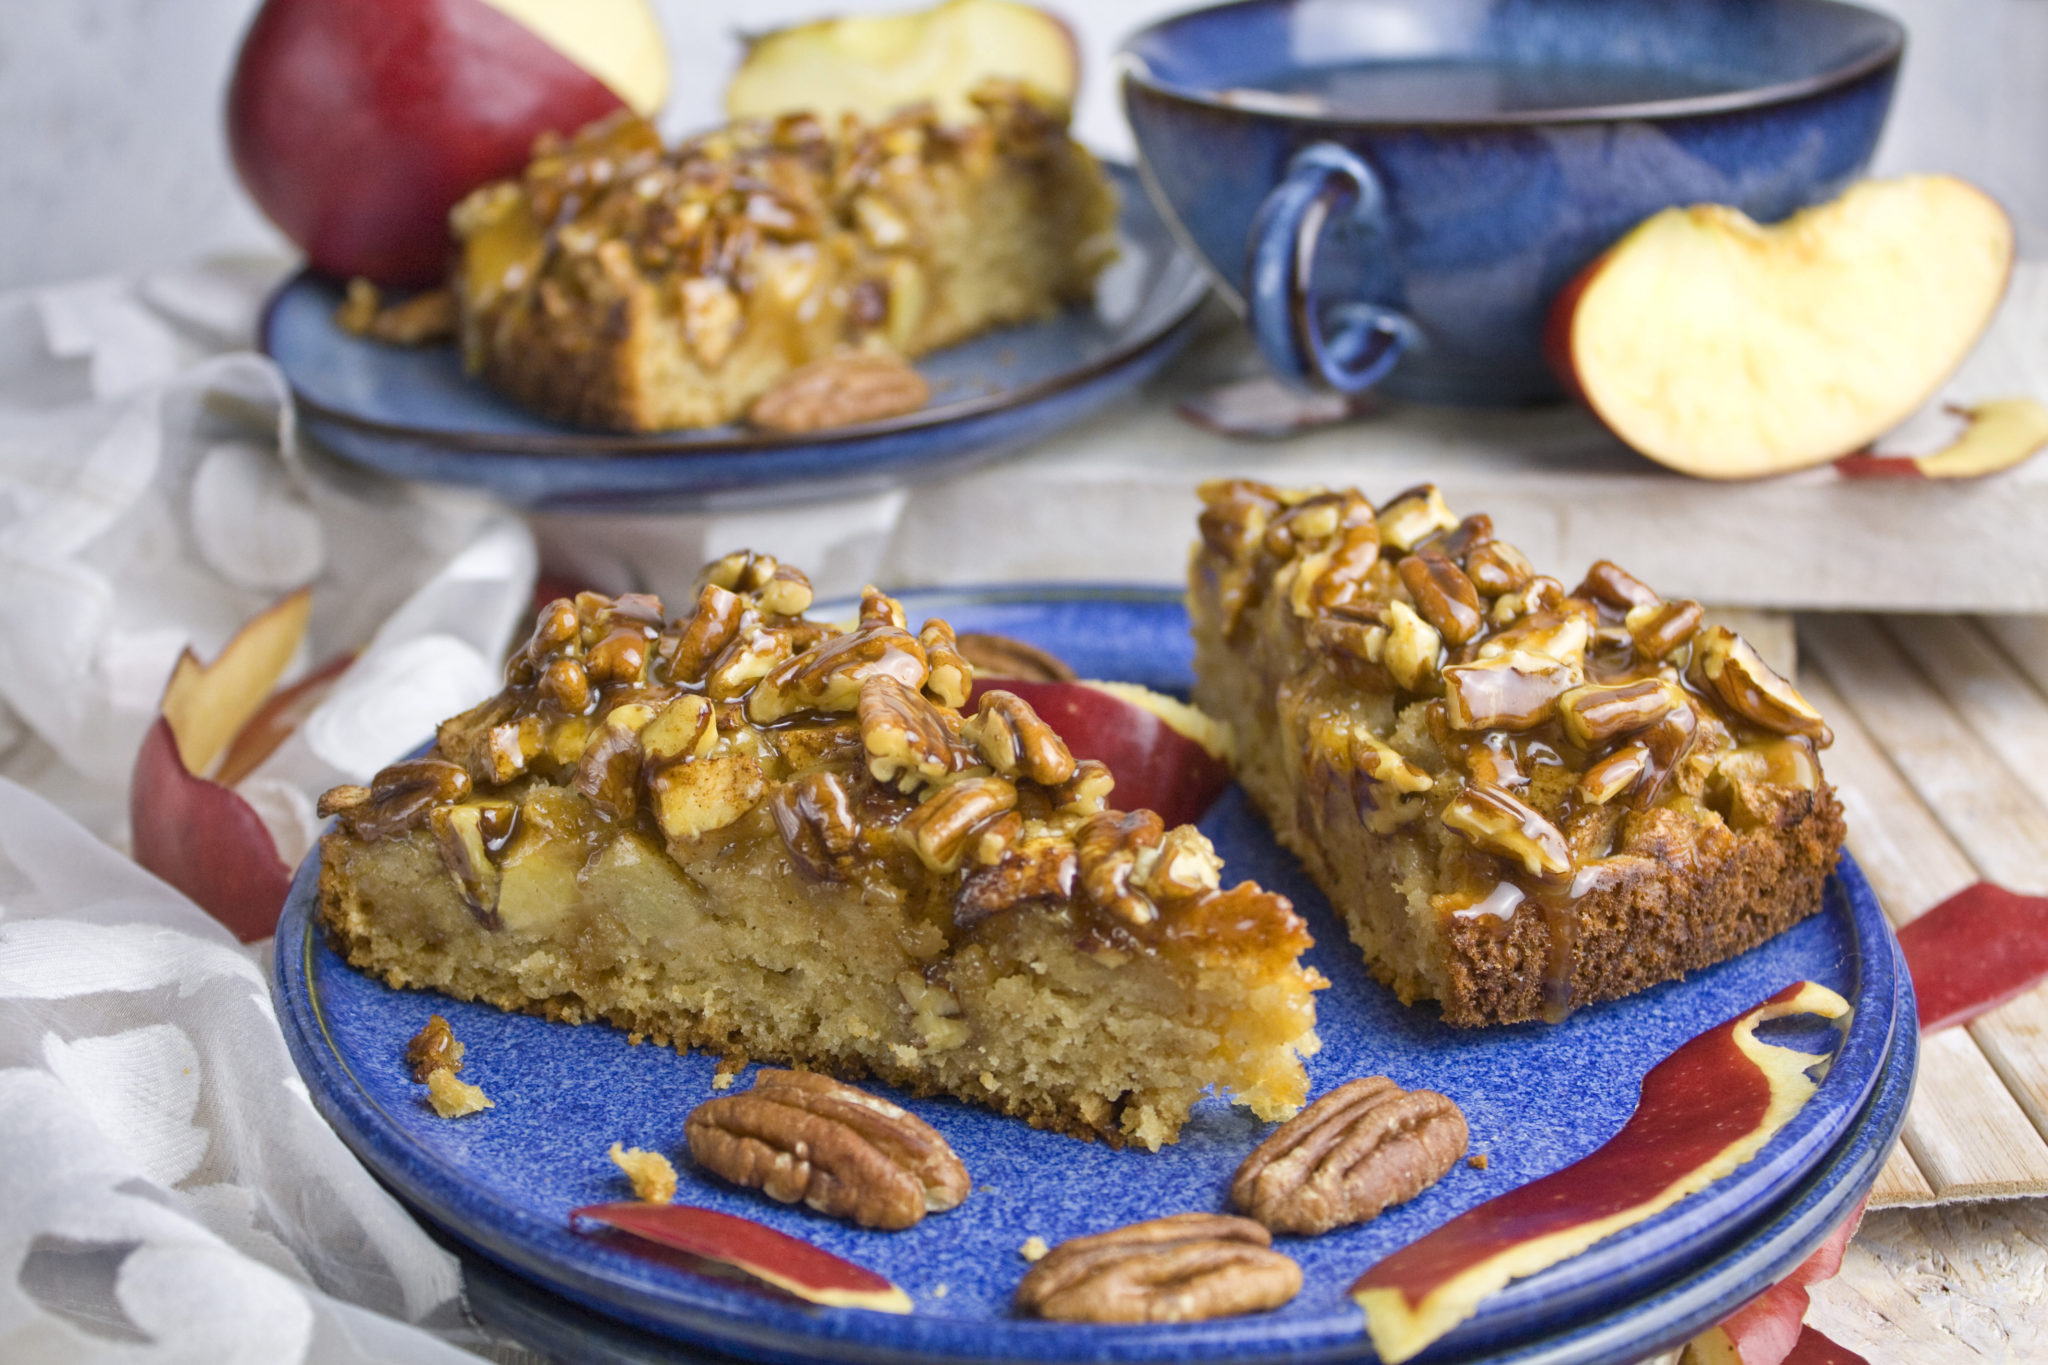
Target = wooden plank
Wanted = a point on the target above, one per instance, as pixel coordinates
(2025, 640)
(1993, 697)
(1969, 1133)
(1900, 1183)
(1992, 818)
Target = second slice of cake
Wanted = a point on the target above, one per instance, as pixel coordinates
(1521, 798)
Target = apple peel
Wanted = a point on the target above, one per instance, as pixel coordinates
(1996, 436)
(1703, 1111)
(1769, 1329)
(193, 831)
(1164, 754)
(775, 1258)
(1973, 952)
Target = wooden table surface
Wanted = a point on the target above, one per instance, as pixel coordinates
(1941, 757)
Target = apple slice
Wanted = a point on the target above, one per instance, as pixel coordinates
(1164, 754)
(1728, 349)
(207, 705)
(1770, 1328)
(357, 124)
(873, 65)
(788, 1263)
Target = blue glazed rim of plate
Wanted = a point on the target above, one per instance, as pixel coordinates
(1189, 283)
(505, 1302)
(1636, 1259)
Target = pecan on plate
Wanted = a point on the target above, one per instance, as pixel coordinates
(1184, 1268)
(1358, 1150)
(840, 391)
(999, 656)
(798, 1136)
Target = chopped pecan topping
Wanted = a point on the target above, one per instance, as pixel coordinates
(1014, 740)
(829, 676)
(942, 829)
(950, 680)
(1753, 689)
(908, 740)
(1613, 586)
(689, 651)
(433, 1048)
(1511, 691)
(1499, 824)
(1362, 1148)
(1116, 849)
(801, 1137)
(814, 815)
(1599, 712)
(1442, 593)
(1413, 649)
(1185, 1268)
(705, 795)
(1038, 872)
(465, 835)
(400, 797)
(1659, 628)
(1498, 567)
(1414, 515)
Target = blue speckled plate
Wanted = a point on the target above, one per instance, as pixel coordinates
(1536, 1097)
(414, 413)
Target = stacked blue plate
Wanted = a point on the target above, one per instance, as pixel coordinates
(1537, 1098)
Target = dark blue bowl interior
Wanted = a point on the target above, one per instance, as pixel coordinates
(1721, 54)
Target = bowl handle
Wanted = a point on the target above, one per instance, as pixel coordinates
(1365, 341)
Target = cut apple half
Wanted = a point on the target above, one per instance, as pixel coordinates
(873, 65)
(1730, 349)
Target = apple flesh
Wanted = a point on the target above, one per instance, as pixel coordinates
(357, 124)
(1729, 349)
(1165, 755)
(872, 66)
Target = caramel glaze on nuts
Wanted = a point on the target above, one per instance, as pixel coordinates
(1183, 1268)
(1562, 722)
(744, 719)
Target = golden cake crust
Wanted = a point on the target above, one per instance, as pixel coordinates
(1443, 737)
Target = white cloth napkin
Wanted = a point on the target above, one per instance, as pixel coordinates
(167, 1191)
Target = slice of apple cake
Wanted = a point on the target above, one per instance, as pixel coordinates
(618, 285)
(1520, 799)
(751, 832)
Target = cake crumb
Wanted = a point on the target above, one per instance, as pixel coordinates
(1034, 1249)
(722, 1081)
(988, 1080)
(432, 1049)
(939, 1291)
(452, 1098)
(654, 1180)
(1477, 1161)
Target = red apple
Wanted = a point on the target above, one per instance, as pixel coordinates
(1729, 349)
(357, 124)
(872, 65)
(1164, 754)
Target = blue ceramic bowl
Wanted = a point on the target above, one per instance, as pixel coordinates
(1394, 191)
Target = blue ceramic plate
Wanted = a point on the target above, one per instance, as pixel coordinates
(415, 414)
(1536, 1097)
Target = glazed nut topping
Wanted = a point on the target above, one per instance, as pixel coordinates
(1115, 851)
(1443, 594)
(465, 835)
(1497, 823)
(1615, 774)
(1184, 1268)
(1510, 691)
(1599, 712)
(1610, 584)
(829, 676)
(950, 677)
(1414, 516)
(1753, 689)
(1660, 628)
(1413, 648)
(1362, 1148)
(908, 741)
(802, 1137)
(433, 1048)
(815, 817)
(1013, 739)
(941, 830)
(1498, 567)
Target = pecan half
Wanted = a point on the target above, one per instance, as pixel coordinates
(1116, 849)
(1497, 823)
(815, 818)
(1611, 585)
(1037, 873)
(1442, 593)
(941, 830)
(840, 391)
(907, 739)
(1362, 1148)
(829, 676)
(798, 1136)
(1014, 739)
(402, 795)
(1185, 1268)
(998, 656)
(951, 678)
(1754, 690)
